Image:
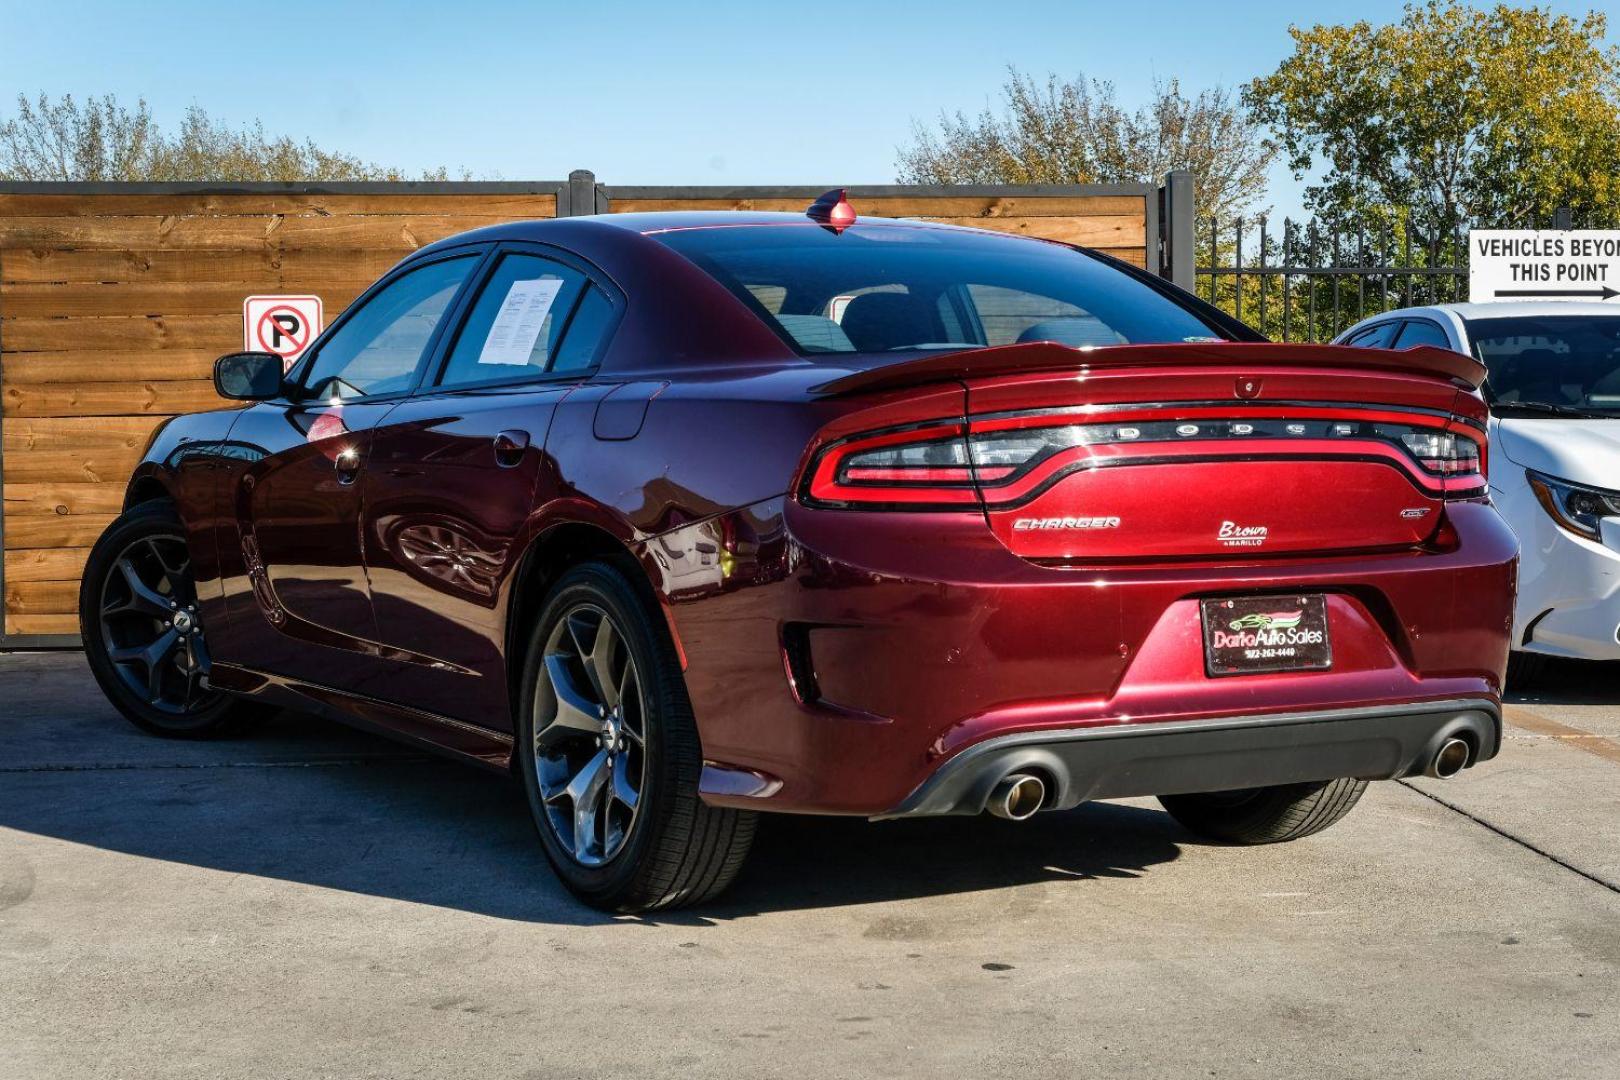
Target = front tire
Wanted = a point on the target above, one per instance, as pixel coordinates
(142, 633)
(1268, 815)
(609, 754)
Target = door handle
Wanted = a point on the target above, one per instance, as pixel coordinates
(509, 447)
(347, 465)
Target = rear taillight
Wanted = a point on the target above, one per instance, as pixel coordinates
(1009, 459)
(1444, 452)
(915, 468)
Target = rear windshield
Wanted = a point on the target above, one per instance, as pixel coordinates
(1570, 361)
(884, 288)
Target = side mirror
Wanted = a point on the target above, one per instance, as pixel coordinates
(248, 376)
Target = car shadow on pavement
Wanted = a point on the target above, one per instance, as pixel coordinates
(306, 801)
(818, 862)
(1570, 682)
(436, 832)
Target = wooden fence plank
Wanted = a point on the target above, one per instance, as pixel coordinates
(1134, 255)
(506, 207)
(163, 365)
(55, 530)
(41, 597)
(272, 232)
(76, 432)
(42, 624)
(111, 399)
(61, 500)
(1086, 232)
(219, 333)
(23, 300)
(264, 270)
(45, 564)
(103, 465)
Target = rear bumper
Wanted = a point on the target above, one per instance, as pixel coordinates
(837, 662)
(1210, 755)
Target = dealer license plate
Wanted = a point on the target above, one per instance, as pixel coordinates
(1248, 634)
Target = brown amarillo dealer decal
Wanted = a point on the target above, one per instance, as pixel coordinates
(1249, 634)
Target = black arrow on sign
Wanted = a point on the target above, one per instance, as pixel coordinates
(1604, 293)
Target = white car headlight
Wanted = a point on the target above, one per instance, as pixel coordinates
(1574, 506)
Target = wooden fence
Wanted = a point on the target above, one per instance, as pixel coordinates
(115, 300)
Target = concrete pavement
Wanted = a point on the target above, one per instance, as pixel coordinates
(316, 902)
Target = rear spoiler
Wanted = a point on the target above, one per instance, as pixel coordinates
(1037, 356)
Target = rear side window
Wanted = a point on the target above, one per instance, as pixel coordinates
(517, 322)
(1415, 332)
(585, 333)
(1374, 337)
(887, 288)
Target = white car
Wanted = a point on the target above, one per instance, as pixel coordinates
(1554, 457)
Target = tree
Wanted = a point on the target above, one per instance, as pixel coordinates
(1075, 132)
(1454, 116)
(100, 139)
(63, 140)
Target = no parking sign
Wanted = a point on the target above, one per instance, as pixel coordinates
(284, 325)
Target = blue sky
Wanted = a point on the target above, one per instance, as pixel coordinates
(706, 93)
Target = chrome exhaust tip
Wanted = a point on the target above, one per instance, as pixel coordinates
(1017, 796)
(1450, 759)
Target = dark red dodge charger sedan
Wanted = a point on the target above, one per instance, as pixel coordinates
(680, 517)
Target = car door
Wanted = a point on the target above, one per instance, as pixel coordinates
(452, 477)
(296, 594)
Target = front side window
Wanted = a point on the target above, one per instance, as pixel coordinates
(517, 322)
(1551, 364)
(378, 349)
(884, 288)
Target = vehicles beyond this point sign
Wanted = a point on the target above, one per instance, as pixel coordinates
(284, 325)
(1543, 264)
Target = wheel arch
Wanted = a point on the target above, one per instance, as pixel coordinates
(144, 488)
(559, 546)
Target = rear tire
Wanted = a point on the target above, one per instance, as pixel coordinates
(1267, 815)
(143, 636)
(609, 755)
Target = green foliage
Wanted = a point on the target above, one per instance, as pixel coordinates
(1456, 115)
(1075, 132)
(101, 140)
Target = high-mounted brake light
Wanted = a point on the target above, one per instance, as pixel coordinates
(833, 210)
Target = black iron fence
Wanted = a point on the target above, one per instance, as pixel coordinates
(1305, 282)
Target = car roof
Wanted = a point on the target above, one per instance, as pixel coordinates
(653, 222)
(1502, 309)
(1458, 315)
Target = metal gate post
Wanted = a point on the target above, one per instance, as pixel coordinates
(580, 193)
(1176, 229)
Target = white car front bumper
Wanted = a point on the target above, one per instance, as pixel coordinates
(1569, 586)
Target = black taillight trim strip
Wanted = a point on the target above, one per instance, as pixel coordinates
(1204, 459)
